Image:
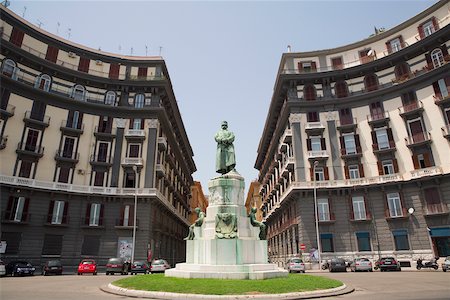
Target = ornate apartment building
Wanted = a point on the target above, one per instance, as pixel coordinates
(366, 126)
(85, 135)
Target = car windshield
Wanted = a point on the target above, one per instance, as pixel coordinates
(23, 264)
(88, 262)
(338, 260)
(139, 263)
(114, 261)
(54, 263)
(362, 259)
(296, 260)
(158, 262)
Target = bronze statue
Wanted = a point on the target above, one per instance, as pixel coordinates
(225, 158)
(197, 223)
(255, 223)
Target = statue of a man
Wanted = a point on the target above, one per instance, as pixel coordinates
(256, 223)
(197, 223)
(225, 159)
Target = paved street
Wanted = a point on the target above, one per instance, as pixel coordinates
(376, 285)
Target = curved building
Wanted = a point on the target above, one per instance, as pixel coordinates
(365, 127)
(87, 139)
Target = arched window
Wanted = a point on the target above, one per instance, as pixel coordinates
(341, 89)
(43, 82)
(78, 93)
(139, 101)
(401, 71)
(110, 98)
(309, 92)
(371, 82)
(9, 68)
(437, 58)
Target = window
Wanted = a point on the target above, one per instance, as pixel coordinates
(74, 119)
(64, 173)
(316, 143)
(394, 205)
(17, 209)
(376, 111)
(437, 58)
(127, 215)
(323, 209)
(114, 71)
(52, 244)
(371, 82)
(428, 28)
(309, 92)
(341, 89)
(13, 240)
(91, 245)
(401, 71)
(307, 66)
(95, 211)
(312, 116)
(395, 45)
(102, 154)
(139, 101)
(142, 72)
(68, 148)
(353, 171)
(359, 208)
(320, 175)
(337, 63)
(9, 68)
(57, 211)
(350, 145)
(16, 37)
(78, 93)
(32, 140)
(25, 168)
(388, 167)
(345, 116)
(43, 82)
(401, 239)
(52, 54)
(363, 239)
(441, 89)
(134, 150)
(137, 124)
(99, 178)
(382, 138)
(416, 131)
(130, 178)
(83, 65)
(110, 98)
(326, 242)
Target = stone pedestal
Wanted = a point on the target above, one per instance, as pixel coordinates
(226, 246)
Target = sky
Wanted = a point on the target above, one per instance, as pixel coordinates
(222, 56)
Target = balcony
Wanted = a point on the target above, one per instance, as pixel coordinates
(326, 217)
(63, 223)
(318, 154)
(86, 223)
(125, 224)
(347, 124)
(396, 215)
(31, 150)
(446, 132)
(71, 129)
(351, 153)
(3, 141)
(135, 134)
(378, 119)
(381, 149)
(162, 143)
(286, 137)
(42, 121)
(426, 172)
(437, 209)
(160, 170)
(104, 133)
(411, 110)
(7, 112)
(9, 216)
(314, 127)
(101, 160)
(442, 100)
(132, 161)
(66, 156)
(418, 139)
(287, 166)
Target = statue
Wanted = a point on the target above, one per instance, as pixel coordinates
(226, 226)
(225, 159)
(255, 223)
(197, 223)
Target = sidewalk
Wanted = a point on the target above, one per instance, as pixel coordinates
(112, 289)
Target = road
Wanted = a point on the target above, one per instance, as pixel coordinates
(377, 286)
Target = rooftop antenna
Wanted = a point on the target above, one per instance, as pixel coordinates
(57, 27)
(69, 32)
(131, 51)
(160, 50)
(6, 3)
(39, 23)
(24, 10)
(120, 49)
(289, 48)
(146, 50)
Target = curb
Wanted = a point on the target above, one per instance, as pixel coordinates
(112, 289)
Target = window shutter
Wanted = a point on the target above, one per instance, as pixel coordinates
(358, 143)
(402, 201)
(114, 71)
(435, 23)
(395, 163)
(88, 214)
(342, 142)
(308, 144)
(122, 216)
(386, 206)
(415, 162)
(389, 47)
(52, 54)
(327, 175)
(131, 215)
(66, 209)
(437, 90)
(421, 32)
(361, 170)
(142, 72)
(330, 209)
(402, 42)
(429, 61)
(142, 123)
(9, 213)
(322, 144)
(444, 50)
(102, 208)
(25, 210)
(366, 208)
(131, 123)
(380, 168)
(50, 211)
(426, 158)
(347, 173)
(83, 65)
(374, 138)
(311, 173)
(313, 66)
(350, 205)
(390, 138)
(300, 66)
(16, 37)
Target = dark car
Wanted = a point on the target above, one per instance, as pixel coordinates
(389, 264)
(338, 265)
(116, 265)
(20, 268)
(139, 267)
(52, 267)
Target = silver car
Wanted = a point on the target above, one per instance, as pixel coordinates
(2, 268)
(159, 265)
(446, 264)
(295, 265)
(361, 264)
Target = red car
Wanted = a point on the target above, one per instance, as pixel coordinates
(87, 266)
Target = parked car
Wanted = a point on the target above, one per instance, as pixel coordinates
(295, 265)
(337, 265)
(159, 265)
(139, 267)
(361, 264)
(87, 266)
(52, 267)
(20, 268)
(2, 268)
(389, 264)
(446, 264)
(116, 265)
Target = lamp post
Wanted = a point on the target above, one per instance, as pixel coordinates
(316, 209)
(135, 211)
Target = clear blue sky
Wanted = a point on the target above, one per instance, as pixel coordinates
(222, 57)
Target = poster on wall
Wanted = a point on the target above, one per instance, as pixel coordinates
(124, 248)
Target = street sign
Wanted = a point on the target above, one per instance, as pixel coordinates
(302, 247)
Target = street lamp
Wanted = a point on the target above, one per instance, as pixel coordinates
(135, 211)
(316, 209)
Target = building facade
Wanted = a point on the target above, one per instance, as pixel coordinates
(366, 127)
(254, 199)
(87, 139)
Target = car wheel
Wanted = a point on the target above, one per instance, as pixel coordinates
(435, 267)
(95, 273)
(370, 270)
(445, 270)
(79, 273)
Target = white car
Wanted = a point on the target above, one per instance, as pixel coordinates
(295, 265)
(2, 269)
(159, 265)
(446, 264)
